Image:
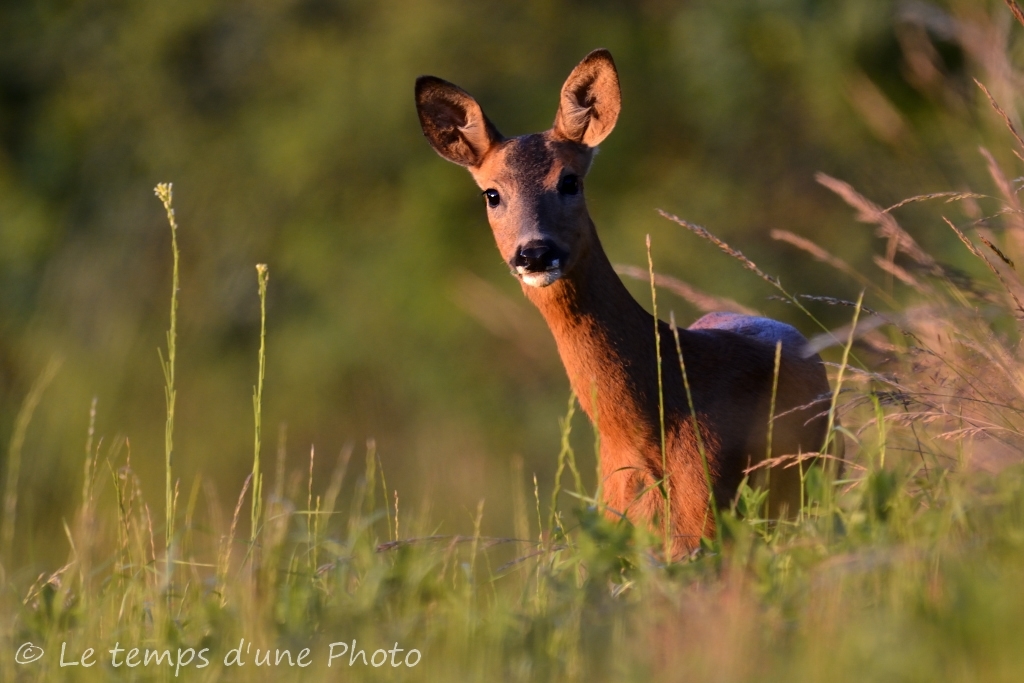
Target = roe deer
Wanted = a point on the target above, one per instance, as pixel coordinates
(534, 190)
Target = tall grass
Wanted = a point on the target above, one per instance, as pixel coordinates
(165, 192)
(927, 557)
(262, 275)
(918, 545)
(665, 485)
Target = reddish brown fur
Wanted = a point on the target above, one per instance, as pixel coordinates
(606, 339)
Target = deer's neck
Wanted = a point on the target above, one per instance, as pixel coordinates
(607, 344)
(606, 341)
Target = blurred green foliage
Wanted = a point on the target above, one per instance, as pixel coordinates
(289, 132)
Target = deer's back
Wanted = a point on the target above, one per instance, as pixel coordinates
(737, 378)
(761, 329)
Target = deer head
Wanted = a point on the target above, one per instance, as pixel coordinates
(532, 184)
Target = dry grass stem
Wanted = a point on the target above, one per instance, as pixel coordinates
(838, 336)
(995, 271)
(787, 461)
(1012, 210)
(1002, 114)
(224, 562)
(704, 233)
(950, 197)
(822, 255)
(701, 300)
(1015, 9)
(991, 245)
(832, 301)
(869, 212)
(899, 273)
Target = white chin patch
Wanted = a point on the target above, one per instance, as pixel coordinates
(540, 279)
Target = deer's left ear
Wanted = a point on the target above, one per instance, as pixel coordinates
(453, 122)
(590, 100)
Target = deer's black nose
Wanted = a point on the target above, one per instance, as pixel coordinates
(538, 256)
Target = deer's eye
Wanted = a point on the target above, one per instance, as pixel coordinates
(493, 198)
(570, 184)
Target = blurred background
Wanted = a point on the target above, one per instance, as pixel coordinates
(289, 132)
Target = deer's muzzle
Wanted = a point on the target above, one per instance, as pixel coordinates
(539, 263)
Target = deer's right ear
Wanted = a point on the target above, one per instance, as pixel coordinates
(590, 101)
(453, 122)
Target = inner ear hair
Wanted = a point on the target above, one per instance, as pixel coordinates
(453, 122)
(590, 100)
